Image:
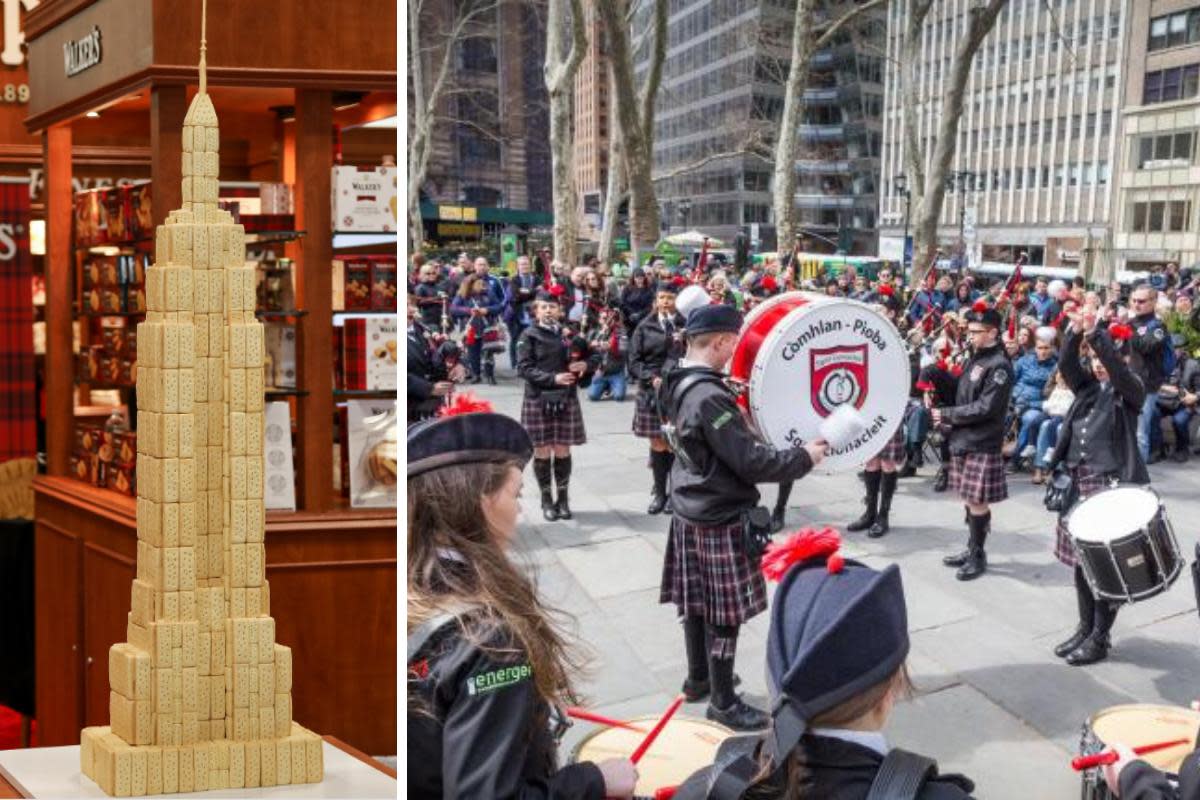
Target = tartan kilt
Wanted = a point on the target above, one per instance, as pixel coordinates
(645, 416)
(545, 429)
(706, 573)
(979, 477)
(1088, 483)
(894, 450)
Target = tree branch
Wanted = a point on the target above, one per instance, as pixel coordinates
(654, 75)
(837, 24)
(708, 159)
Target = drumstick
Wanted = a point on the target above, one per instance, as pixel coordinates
(590, 716)
(656, 730)
(1110, 756)
(665, 793)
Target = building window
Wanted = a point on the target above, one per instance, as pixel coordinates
(1177, 83)
(481, 196)
(1159, 216)
(1179, 212)
(1172, 30)
(1162, 150)
(477, 54)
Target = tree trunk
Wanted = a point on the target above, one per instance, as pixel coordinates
(613, 193)
(787, 146)
(934, 191)
(914, 157)
(560, 70)
(417, 145)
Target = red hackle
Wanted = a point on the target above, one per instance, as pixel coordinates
(886, 290)
(804, 544)
(465, 403)
(925, 386)
(979, 306)
(769, 283)
(956, 370)
(1120, 331)
(558, 290)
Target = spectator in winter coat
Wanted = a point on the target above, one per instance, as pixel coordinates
(637, 299)
(1032, 373)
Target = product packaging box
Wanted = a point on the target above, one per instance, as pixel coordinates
(364, 200)
(369, 353)
(372, 432)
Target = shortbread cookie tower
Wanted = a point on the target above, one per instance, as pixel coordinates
(201, 692)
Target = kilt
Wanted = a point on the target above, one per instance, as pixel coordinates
(645, 416)
(706, 573)
(979, 477)
(894, 450)
(1087, 483)
(545, 429)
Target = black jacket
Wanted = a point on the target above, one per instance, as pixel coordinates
(425, 369)
(980, 403)
(1150, 341)
(1112, 408)
(636, 304)
(651, 352)
(520, 298)
(477, 729)
(430, 299)
(1140, 781)
(729, 458)
(834, 769)
(543, 353)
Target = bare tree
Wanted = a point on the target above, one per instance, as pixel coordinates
(635, 115)
(432, 42)
(561, 68)
(807, 40)
(930, 187)
(614, 193)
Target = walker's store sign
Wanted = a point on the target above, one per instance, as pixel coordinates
(82, 54)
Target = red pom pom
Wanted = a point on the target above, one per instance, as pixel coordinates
(802, 545)
(769, 283)
(979, 306)
(886, 290)
(942, 364)
(834, 563)
(678, 280)
(1120, 332)
(558, 290)
(465, 403)
(956, 370)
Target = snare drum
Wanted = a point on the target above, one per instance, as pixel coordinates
(685, 745)
(1125, 543)
(1136, 725)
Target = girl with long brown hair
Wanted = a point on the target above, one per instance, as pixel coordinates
(488, 667)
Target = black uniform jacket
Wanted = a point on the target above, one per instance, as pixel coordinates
(729, 458)
(477, 729)
(425, 368)
(980, 403)
(1140, 781)
(1149, 342)
(651, 352)
(636, 304)
(1109, 410)
(835, 769)
(543, 353)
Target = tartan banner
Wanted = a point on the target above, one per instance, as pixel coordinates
(18, 395)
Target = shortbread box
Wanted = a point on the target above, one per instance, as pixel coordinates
(364, 200)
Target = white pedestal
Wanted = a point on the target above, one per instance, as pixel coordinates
(54, 772)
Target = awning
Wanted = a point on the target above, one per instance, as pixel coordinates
(451, 212)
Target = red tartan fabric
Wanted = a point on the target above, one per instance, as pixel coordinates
(18, 388)
(354, 349)
(646, 423)
(1088, 483)
(979, 477)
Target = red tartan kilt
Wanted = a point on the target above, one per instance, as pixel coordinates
(549, 429)
(706, 573)
(894, 450)
(979, 477)
(645, 418)
(1088, 483)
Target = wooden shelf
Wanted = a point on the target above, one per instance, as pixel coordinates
(351, 394)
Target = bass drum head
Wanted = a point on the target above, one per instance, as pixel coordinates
(821, 355)
(684, 746)
(1113, 513)
(1142, 723)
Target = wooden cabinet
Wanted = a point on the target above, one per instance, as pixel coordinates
(333, 597)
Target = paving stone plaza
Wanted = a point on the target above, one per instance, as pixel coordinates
(992, 700)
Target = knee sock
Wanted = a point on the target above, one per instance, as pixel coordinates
(1085, 600)
(696, 643)
(562, 473)
(785, 492)
(722, 649)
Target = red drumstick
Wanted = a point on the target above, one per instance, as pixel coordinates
(590, 716)
(1110, 756)
(656, 730)
(665, 793)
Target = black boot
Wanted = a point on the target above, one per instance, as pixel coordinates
(910, 462)
(541, 471)
(1087, 610)
(785, 491)
(724, 706)
(961, 558)
(696, 686)
(660, 467)
(562, 478)
(887, 489)
(976, 562)
(871, 479)
(1095, 647)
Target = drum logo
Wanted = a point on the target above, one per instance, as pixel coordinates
(838, 376)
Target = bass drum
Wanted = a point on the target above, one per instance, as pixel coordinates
(803, 355)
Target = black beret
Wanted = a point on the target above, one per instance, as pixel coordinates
(718, 318)
(545, 296)
(988, 316)
(667, 287)
(471, 438)
(833, 635)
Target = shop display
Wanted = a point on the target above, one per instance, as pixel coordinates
(369, 354)
(365, 283)
(276, 283)
(201, 693)
(279, 493)
(364, 200)
(281, 356)
(372, 433)
(114, 214)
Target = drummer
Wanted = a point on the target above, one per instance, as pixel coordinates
(709, 572)
(1134, 779)
(836, 651)
(487, 668)
(1097, 443)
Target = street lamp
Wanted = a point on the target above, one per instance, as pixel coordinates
(964, 179)
(685, 208)
(900, 182)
